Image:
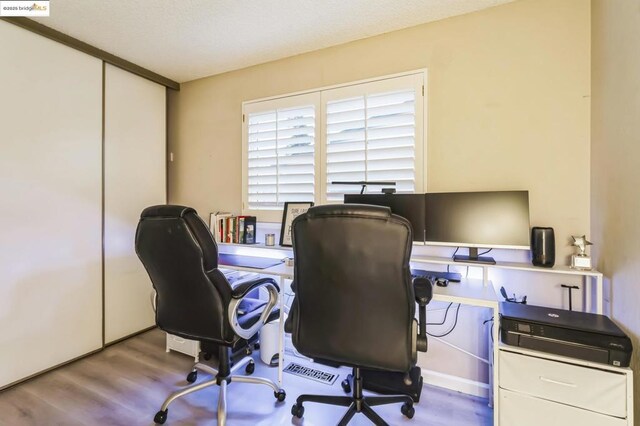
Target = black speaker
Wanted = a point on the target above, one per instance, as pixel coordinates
(543, 247)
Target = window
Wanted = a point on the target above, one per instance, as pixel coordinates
(296, 146)
(280, 152)
(371, 133)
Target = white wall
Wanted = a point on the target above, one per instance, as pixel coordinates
(507, 108)
(615, 204)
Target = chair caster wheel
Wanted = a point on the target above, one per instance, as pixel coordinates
(346, 383)
(161, 417)
(250, 368)
(407, 410)
(192, 377)
(280, 395)
(297, 410)
(256, 346)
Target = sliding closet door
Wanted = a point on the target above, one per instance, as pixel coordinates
(50, 219)
(135, 177)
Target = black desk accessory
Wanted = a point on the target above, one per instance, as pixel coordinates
(543, 247)
(581, 335)
(474, 258)
(442, 282)
(450, 276)
(513, 299)
(364, 183)
(570, 289)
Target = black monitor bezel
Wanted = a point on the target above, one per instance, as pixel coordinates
(476, 245)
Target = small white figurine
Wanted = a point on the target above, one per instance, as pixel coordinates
(582, 259)
(582, 243)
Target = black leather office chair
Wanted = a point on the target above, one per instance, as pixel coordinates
(355, 299)
(195, 301)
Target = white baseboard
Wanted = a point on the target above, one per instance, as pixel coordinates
(458, 384)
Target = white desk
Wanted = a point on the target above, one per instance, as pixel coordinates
(473, 292)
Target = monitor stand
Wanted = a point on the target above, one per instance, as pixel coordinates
(474, 258)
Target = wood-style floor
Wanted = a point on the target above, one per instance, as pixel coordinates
(126, 384)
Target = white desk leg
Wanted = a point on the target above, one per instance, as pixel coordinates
(630, 411)
(588, 302)
(494, 396)
(281, 334)
(599, 295)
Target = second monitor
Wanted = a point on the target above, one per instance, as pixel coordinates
(485, 220)
(409, 206)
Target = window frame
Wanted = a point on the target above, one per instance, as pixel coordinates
(319, 101)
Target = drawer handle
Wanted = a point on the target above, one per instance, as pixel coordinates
(557, 382)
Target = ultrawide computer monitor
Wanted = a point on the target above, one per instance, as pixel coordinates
(409, 206)
(493, 219)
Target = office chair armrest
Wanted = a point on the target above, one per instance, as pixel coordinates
(423, 289)
(245, 287)
(239, 293)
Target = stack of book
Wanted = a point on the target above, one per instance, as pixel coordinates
(228, 228)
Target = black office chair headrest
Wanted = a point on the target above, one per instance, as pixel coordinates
(360, 210)
(166, 211)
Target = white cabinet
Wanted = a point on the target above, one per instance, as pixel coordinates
(517, 409)
(184, 346)
(537, 388)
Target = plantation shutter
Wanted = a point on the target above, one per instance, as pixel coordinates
(372, 137)
(295, 146)
(281, 156)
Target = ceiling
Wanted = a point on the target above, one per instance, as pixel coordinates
(188, 39)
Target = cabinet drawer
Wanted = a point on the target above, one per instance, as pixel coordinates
(589, 388)
(517, 409)
(185, 346)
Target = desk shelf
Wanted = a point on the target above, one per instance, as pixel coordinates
(557, 269)
(588, 275)
(468, 291)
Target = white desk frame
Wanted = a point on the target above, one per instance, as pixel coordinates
(469, 291)
(589, 277)
(475, 292)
